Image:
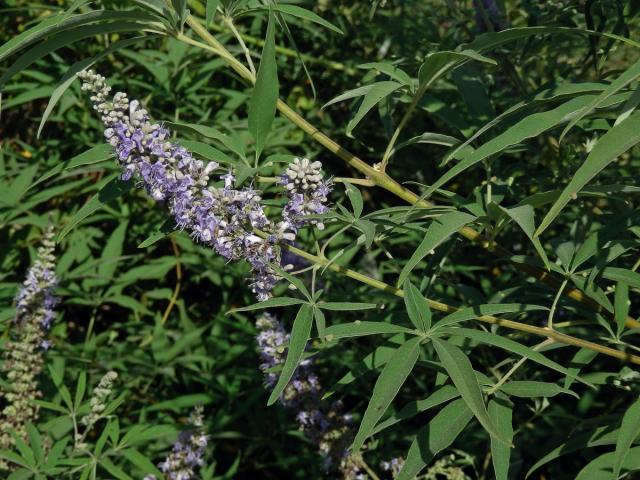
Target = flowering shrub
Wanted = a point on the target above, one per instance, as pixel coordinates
(371, 240)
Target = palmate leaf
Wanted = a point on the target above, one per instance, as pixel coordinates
(391, 379)
(300, 334)
(463, 377)
(437, 435)
(262, 105)
(609, 147)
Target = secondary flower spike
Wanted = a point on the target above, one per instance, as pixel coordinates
(326, 425)
(188, 452)
(23, 357)
(224, 217)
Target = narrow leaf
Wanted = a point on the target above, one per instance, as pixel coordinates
(612, 144)
(440, 229)
(437, 435)
(389, 382)
(300, 333)
(417, 307)
(501, 413)
(629, 431)
(262, 106)
(461, 372)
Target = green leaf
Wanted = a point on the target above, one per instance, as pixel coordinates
(356, 92)
(346, 306)
(374, 360)
(94, 155)
(621, 305)
(372, 97)
(391, 71)
(524, 216)
(321, 322)
(391, 379)
(629, 431)
(70, 76)
(360, 329)
(558, 92)
(62, 389)
(417, 307)
(515, 347)
(438, 63)
(437, 435)
(63, 39)
(600, 467)
(440, 396)
(113, 469)
(300, 333)
(109, 192)
(262, 106)
(211, 8)
(270, 303)
(163, 231)
(609, 147)
(112, 252)
(35, 442)
(491, 40)
(529, 127)
(532, 389)
(140, 461)
(80, 390)
(501, 413)
(489, 309)
(440, 229)
(630, 74)
(355, 197)
(461, 372)
(305, 14)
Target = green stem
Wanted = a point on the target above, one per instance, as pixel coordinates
(513, 369)
(403, 122)
(229, 23)
(379, 177)
(555, 304)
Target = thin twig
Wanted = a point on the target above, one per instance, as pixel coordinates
(176, 290)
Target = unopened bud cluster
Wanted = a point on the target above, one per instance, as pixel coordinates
(23, 354)
(326, 425)
(224, 217)
(307, 190)
(187, 456)
(100, 398)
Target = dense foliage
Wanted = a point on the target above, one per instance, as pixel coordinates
(319, 239)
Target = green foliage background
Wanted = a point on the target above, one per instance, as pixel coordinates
(158, 314)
